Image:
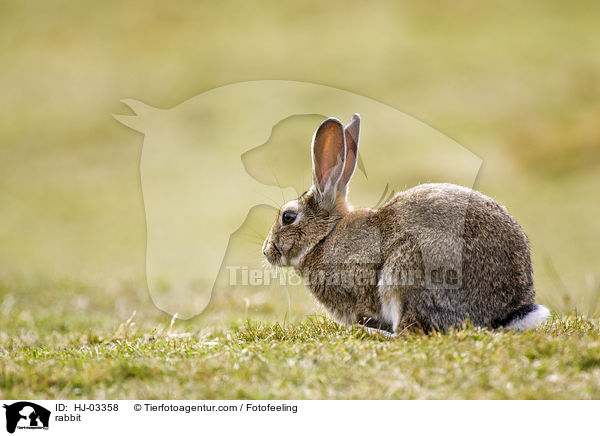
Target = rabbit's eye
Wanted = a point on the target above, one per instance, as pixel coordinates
(288, 217)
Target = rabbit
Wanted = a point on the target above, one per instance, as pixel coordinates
(430, 258)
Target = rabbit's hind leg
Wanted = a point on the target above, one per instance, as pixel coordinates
(372, 331)
(375, 326)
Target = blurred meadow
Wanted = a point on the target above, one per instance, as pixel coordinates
(515, 83)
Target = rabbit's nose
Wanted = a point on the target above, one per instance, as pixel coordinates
(264, 248)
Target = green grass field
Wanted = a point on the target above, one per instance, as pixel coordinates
(64, 350)
(315, 359)
(517, 83)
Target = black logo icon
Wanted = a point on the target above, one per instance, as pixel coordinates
(26, 415)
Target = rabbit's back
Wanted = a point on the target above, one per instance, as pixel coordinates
(451, 253)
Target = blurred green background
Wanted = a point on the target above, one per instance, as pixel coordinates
(517, 83)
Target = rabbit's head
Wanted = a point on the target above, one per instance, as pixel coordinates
(302, 223)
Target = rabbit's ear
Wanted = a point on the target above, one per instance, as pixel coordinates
(329, 155)
(352, 134)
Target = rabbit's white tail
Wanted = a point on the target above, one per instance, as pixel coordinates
(532, 318)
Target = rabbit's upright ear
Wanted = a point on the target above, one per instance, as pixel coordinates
(329, 156)
(352, 134)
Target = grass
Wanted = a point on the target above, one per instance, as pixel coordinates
(69, 339)
(314, 359)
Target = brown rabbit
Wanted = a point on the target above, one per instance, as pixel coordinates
(432, 257)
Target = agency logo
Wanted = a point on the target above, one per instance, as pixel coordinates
(26, 415)
(215, 169)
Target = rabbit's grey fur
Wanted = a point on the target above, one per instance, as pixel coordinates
(432, 257)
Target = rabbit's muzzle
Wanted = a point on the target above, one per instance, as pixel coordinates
(272, 253)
